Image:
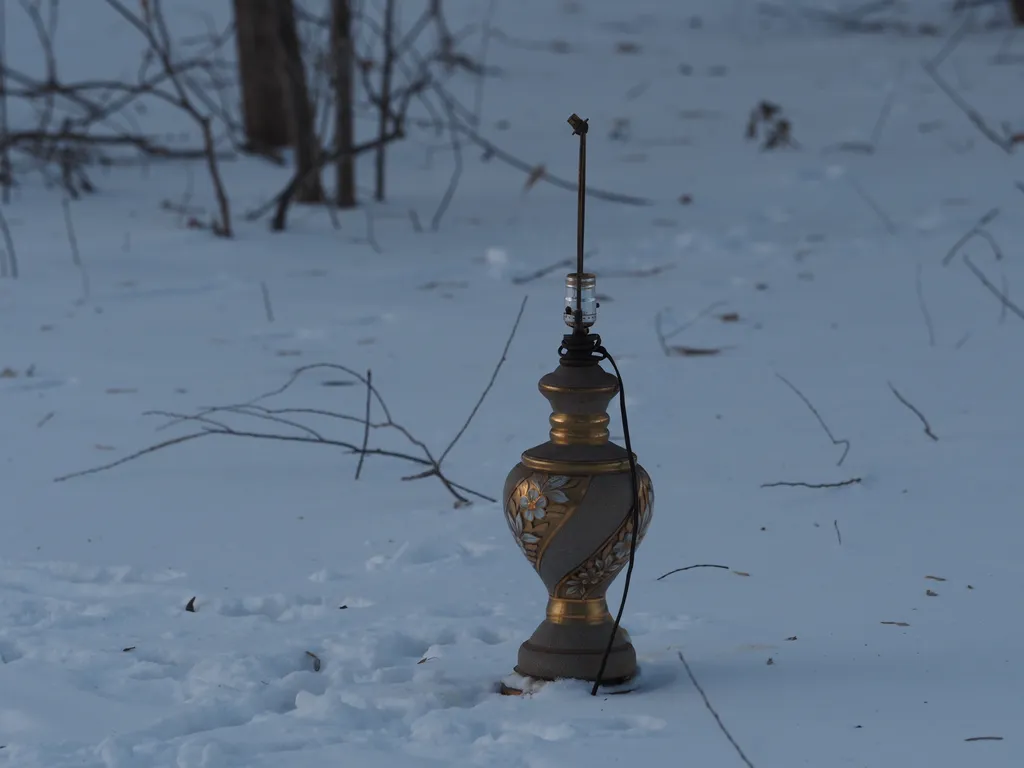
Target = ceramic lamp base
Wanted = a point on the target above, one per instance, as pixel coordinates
(574, 650)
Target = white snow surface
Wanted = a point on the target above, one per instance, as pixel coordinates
(875, 624)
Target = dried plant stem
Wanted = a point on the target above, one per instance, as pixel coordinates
(254, 409)
(915, 411)
(714, 714)
(821, 421)
(1003, 298)
(978, 230)
(690, 567)
(9, 264)
(786, 484)
(268, 307)
(76, 257)
(490, 384)
(366, 425)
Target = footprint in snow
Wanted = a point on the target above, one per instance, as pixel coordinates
(432, 552)
(10, 652)
(274, 607)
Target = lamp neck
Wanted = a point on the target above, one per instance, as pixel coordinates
(579, 391)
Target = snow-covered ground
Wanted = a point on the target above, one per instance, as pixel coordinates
(366, 622)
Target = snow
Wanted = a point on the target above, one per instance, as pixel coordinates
(413, 609)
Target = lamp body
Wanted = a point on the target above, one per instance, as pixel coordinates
(568, 504)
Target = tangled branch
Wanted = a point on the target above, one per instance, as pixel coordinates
(215, 421)
(79, 121)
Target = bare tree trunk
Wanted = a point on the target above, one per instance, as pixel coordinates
(1017, 6)
(264, 108)
(387, 70)
(303, 130)
(344, 93)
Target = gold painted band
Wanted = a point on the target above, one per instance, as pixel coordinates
(555, 467)
(564, 611)
(611, 389)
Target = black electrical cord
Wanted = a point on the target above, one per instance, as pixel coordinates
(634, 512)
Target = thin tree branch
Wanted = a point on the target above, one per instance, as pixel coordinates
(268, 307)
(1003, 142)
(76, 257)
(1003, 298)
(283, 199)
(976, 231)
(821, 421)
(914, 410)
(542, 272)
(663, 338)
(253, 409)
(154, 30)
(366, 426)
(890, 225)
(490, 384)
(689, 567)
(924, 306)
(8, 266)
(786, 484)
(714, 714)
(133, 456)
(453, 181)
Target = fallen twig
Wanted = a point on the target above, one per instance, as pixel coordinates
(976, 231)
(786, 484)
(890, 226)
(76, 257)
(916, 412)
(542, 272)
(714, 714)
(8, 265)
(689, 567)
(1004, 143)
(821, 421)
(366, 424)
(883, 116)
(663, 338)
(490, 384)
(254, 410)
(268, 308)
(371, 228)
(415, 219)
(839, 536)
(1003, 298)
(456, 175)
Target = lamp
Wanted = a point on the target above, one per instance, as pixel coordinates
(578, 504)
